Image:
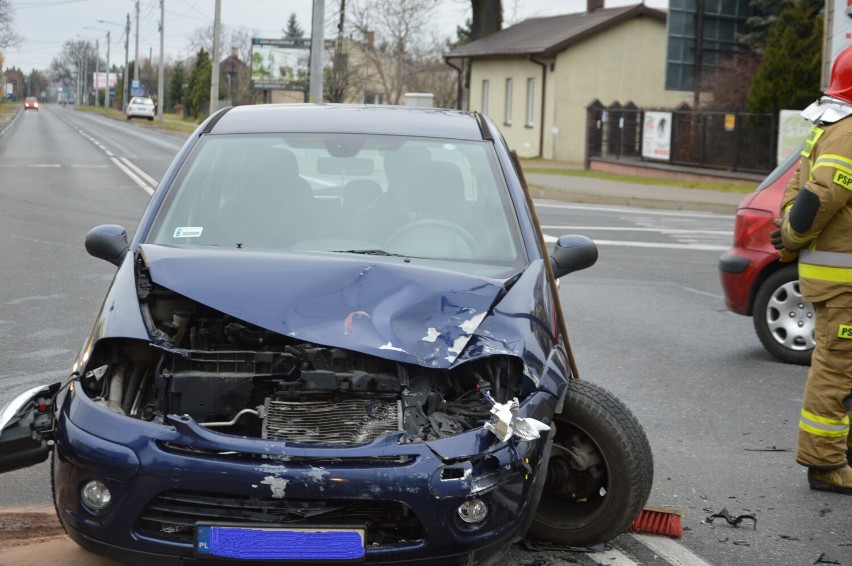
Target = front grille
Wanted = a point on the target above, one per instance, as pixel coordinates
(172, 515)
(346, 421)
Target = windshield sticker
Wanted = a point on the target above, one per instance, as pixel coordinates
(188, 232)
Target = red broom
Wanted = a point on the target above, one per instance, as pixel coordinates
(658, 521)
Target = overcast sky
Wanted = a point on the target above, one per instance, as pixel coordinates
(47, 24)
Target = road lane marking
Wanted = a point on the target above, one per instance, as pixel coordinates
(708, 215)
(143, 180)
(135, 178)
(548, 239)
(675, 553)
(150, 180)
(629, 229)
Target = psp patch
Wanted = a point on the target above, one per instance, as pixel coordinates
(845, 332)
(843, 179)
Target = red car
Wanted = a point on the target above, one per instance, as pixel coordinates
(31, 102)
(757, 284)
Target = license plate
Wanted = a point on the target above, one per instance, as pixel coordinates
(247, 542)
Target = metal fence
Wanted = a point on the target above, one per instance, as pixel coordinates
(730, 141)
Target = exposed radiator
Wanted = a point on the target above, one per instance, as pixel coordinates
(350, 421)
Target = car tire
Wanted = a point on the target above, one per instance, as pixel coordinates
(150, 118)
(129, 117)
(600, 470)
(783, 320)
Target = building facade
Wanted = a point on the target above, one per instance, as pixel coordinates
(537, 78)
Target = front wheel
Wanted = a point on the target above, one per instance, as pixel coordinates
(600, 470)
(783, 320)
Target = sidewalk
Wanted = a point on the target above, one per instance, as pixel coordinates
(597, 191)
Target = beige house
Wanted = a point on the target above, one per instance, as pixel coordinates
(536, 79)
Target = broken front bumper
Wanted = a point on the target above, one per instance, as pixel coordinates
(165, 479)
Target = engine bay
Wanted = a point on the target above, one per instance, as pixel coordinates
(237, 378)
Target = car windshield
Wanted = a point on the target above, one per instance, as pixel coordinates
(386, 196)
(143, 101)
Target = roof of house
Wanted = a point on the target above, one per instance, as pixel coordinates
(550, 35)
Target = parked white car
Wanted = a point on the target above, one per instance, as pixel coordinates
(141, 107)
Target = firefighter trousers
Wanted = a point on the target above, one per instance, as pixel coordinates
(824, 436)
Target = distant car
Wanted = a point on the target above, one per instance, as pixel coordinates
(757, 284)
(31, 103)
(271, 379)
(141, 107)
(63, 102)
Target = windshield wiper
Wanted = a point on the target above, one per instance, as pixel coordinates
(370, 252)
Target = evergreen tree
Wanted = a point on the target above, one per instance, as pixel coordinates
(789, 76)
(176, 87)
(197, 94)
(293, 30)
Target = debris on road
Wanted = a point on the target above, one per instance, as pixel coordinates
(735, 521)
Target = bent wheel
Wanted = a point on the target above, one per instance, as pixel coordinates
(600, 470)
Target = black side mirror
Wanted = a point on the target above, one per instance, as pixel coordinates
(572, 253)
(108, 242)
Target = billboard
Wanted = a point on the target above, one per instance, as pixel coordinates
(280, 64)
(100, 80)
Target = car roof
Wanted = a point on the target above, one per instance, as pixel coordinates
(344, 118)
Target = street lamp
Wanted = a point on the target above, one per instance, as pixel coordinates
(126, 46)
(106, 88)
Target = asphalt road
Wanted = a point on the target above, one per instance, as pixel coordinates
(647, 322)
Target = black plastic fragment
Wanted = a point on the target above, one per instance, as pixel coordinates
(735, 521)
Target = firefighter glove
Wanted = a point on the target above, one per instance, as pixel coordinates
(775, 236)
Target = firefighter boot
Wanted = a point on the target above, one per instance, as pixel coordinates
(839, 480)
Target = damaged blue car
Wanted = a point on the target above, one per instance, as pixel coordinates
(334, 337)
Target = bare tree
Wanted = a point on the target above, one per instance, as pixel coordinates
(395, 33)
(69, 66)
(8, 36)
(239, 38)
(431, 74)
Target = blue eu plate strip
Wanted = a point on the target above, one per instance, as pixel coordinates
(279, 544)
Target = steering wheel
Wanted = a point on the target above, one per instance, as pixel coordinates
(426, 229)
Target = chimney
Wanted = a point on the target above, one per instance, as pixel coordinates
(235, 52)
(593, 5)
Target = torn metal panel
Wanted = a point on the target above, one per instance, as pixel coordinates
(376, 308)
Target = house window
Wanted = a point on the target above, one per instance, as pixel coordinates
(507, 119)
(486, 91)
(530, 102)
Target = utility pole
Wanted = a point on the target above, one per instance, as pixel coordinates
(214, 75)
(126, 68)
(317, 40)
(106, 90)
(136, 63)
(97, 68)
(161, 74)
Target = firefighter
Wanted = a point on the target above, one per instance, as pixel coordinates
(816, 227)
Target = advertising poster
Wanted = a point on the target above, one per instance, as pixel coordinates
(280, 64)
(657, 136)
(792, 131)
(100, 80)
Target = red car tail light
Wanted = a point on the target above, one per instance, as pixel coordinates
(751, 227)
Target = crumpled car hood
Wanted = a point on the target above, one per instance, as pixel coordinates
(403, 312)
